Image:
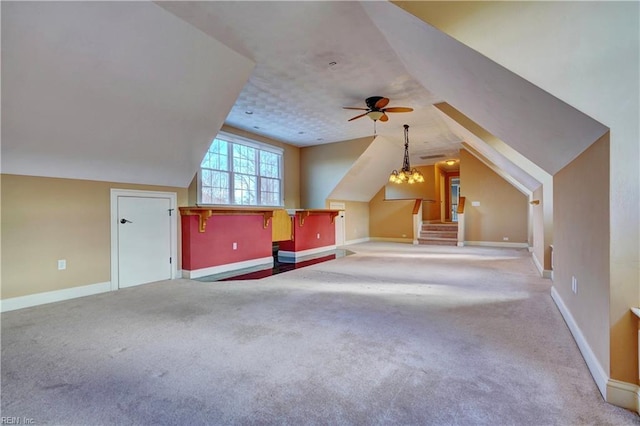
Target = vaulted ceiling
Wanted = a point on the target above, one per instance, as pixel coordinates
(134, 92)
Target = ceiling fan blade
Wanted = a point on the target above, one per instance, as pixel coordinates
(357, 116)
(398, 109)
(384, 117)
(361, 109)
(382, 103)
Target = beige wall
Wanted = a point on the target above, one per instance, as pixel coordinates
(46, 219)
(390, 219)
(585, 255)
(432, 211)
(192, 191)
(404, 191)
(356, 219)
(429, 191)
(323, 166)
(503, 209)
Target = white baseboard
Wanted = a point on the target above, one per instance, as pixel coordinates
(597, 372)
(623, 394)
(392, 240)
(21, 302)
(496, 244)
(545, 273)
(267, 262)
(357, 241)
(304, 253)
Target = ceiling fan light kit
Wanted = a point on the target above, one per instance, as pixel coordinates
(375, 115)
(406, 174)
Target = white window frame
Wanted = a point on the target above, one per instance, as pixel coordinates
(239, 140)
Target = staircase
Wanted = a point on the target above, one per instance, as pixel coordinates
(439, 234)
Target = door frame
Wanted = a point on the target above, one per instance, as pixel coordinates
(173, 233)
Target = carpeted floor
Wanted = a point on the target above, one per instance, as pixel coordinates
(394, 334)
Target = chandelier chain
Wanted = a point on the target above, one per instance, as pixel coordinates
(406, 174)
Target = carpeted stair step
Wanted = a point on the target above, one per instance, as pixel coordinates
(438, 241)
(440, 227)
(439, 234)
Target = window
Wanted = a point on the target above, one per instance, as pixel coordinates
(237, 171)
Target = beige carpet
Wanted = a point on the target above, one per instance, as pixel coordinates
(394, 334)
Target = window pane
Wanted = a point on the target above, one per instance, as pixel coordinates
(269, 164)
(217, 157)
(269, 192)
(205, 178)
(244, 159)
(245, 189)
(215, 190)
(206, 160)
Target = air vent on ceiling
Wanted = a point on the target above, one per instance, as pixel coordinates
(431, 157)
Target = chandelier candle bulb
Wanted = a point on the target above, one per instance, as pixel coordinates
(407, 174)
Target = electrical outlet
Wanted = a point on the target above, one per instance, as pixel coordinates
(235, 246)
(574, 285)
(318, 236)
(62, 264)
(505, 238)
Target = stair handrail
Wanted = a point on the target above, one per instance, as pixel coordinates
(417, 205)
(461, 205)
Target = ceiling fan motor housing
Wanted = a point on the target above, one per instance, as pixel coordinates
(372, 101)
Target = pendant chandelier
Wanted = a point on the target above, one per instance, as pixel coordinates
(406, 174)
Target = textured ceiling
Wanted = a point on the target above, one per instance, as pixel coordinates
(313, 58)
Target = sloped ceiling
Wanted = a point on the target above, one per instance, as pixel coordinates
(539, 126)
(134, 92)
(371, 171)
(488, 148)
(111, 91)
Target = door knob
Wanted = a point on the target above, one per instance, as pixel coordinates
(123, 221)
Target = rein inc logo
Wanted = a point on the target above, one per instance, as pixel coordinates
(16, 421)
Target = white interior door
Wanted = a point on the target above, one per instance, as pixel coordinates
(144, 240)
(339, 222)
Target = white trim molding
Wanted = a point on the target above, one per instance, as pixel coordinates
(599, 375)
(267, 262)
(545, 273)
(37, 299)
(392, 240)
(496, 244)
(357, 241)
(304, 253)
(623, 394)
